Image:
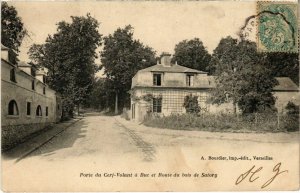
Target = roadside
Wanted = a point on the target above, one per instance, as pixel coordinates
(25, 148)
(279, 137)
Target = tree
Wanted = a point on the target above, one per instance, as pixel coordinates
(226, 46)
(70, 56)
(192, 54)
(122, 57)
(242, 76)
(281, 64)
(12, 27)
(284, 64)
(100, 97)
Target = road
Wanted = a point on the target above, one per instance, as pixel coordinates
(110, 145)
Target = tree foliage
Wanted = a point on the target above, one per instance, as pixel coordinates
(280, 64)
(70, 56)
(242, 76)
(12, 27)
(284, 64)
(192, 54)
(292, 108)
(99, 96)
(226, 46)
(291, 122)
(122, 57)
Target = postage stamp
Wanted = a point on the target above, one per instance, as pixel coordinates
(277, 27)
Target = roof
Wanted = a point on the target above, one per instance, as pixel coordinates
(23, 64)
(172, 68)
(4, 47)
(285, 84)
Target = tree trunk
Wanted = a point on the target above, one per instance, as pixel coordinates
(234, 108)
(78, 109)
(116, 104)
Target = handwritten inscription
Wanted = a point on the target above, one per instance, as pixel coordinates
(254, 173)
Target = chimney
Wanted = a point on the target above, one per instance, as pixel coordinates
(9, 55)
(41, 74)
(166, 59)
(25, 67)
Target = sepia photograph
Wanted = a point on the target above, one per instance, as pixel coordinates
(139, 96)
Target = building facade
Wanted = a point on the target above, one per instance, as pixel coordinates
(27, 103)
(162, 88)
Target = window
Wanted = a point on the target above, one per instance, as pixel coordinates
(44, 79)
(157, 79)
(32, 71)
(46, 111)
(189, 80)
(44, 90)
(28, 107)
(33, 85)
(13, 108)
(39, 111)
(157, 105)
(13, 75)
(58, 107)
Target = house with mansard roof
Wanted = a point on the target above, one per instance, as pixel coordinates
(169, 83)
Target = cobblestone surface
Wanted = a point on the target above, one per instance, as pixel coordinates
(147, 148)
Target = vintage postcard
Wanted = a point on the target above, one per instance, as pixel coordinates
(104, 96)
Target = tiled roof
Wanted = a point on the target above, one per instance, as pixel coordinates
(4, 47)
(23, 64)
(172, 68)
(285, 84)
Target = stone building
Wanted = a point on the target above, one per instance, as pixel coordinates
(27, 103)
(162, 88)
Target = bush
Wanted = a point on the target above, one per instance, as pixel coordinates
(191, 104)
(291, 122)
(219, 122)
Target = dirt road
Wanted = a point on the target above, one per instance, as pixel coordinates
(101, 153)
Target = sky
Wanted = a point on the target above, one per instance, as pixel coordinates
(160, 25)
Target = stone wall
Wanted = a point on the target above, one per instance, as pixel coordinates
(15, 134)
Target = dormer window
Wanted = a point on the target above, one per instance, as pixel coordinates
(32, 71)
(13, 75)
(44, 79)
(157, 79)
(190, 80)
